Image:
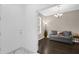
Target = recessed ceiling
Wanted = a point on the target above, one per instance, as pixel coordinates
(65, 8)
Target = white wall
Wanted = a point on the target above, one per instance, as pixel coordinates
(68, 22)
(19, 27)
(31, 42)
(12, 23)
(0, 28)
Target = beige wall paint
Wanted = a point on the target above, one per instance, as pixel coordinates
(68, 22)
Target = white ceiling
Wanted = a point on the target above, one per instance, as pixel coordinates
(64, 8)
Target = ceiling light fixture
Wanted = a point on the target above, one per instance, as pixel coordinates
(58, 13)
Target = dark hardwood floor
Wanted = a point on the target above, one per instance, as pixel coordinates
(47, 46)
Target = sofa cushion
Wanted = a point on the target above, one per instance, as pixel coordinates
(67, 33)
(54, 32)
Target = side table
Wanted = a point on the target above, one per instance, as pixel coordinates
(76, 39)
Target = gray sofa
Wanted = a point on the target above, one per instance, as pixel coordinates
(66, 37)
